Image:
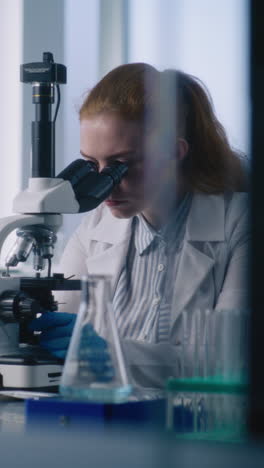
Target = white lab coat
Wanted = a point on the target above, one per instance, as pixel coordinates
(212, 272)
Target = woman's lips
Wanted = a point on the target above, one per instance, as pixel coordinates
(115, 202)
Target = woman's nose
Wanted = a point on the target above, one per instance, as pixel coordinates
(101, 166)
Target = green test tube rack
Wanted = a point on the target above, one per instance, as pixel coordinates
(217, 408)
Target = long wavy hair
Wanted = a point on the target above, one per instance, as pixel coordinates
(211, 165)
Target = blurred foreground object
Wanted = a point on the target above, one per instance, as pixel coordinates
(95, 367)
(209, 400)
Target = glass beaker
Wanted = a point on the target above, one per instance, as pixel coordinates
(95, 367)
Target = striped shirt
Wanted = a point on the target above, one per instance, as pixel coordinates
(142, 300)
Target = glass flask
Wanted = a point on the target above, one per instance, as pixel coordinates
(95, 368)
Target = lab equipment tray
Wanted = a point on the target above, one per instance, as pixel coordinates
(58, 413)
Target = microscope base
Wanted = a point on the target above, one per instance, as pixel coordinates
(42, 376)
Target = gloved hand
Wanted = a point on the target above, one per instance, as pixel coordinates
(94, 356)
(56, 330)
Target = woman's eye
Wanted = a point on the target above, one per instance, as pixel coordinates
(128, 163)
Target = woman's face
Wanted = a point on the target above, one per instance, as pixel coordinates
(106, 138)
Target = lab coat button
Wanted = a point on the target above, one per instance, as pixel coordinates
(161, 267)
(156, 300)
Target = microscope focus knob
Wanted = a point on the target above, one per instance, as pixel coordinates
(16, 306)
(28, 309)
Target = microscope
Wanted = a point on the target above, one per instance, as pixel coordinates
(39, 209)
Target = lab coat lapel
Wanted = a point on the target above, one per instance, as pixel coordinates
(112, 237)
(194, 266)
(109, 261)
(205, 224)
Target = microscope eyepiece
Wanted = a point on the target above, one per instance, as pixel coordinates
(77, 171)
(116, 171)
(90, 186)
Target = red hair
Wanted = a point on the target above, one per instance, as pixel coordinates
(133, 90)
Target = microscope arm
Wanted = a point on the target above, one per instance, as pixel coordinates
(46, 195)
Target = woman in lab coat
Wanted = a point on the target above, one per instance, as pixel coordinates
(173, 234)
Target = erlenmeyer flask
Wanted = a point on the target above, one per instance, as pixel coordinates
(95, 368)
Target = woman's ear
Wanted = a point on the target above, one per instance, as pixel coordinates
(182, 149)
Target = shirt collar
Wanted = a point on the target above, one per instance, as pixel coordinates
(206, 222)
(145, 233)
(177, 220)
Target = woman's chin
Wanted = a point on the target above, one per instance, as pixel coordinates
(122, 211)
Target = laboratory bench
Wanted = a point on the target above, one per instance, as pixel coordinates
(113, 445)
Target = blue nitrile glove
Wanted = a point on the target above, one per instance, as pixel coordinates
(56, 330)
(94, 356)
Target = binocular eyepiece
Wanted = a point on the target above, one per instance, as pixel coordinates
(90, 186)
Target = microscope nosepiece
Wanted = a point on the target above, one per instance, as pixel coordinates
(20, 250)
